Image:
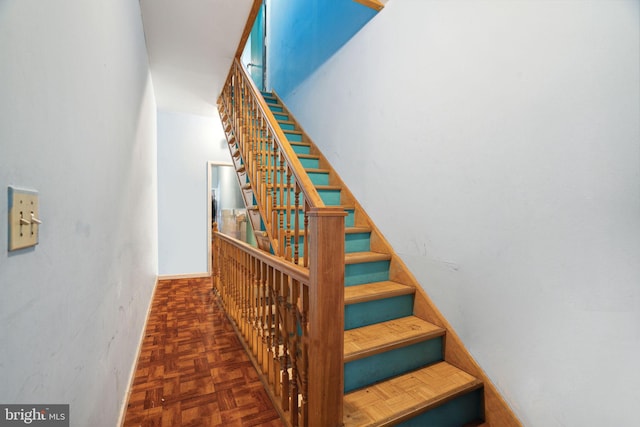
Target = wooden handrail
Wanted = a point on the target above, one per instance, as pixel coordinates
(373, 4)
(253, 13)
(292, 270)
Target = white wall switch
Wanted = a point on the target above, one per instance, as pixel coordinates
(24, 218)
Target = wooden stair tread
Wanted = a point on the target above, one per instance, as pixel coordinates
(317, 170)
(328, 187)
(358, 257)
(355, 230)
(380, 337)
(397, 399)
(303, 143)
(375, 291)
(308, 156)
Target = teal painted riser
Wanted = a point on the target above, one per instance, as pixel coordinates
(276, 109)
(309, 163)
(319, 178)
(376, 311)
(300, 149)
(358, 242)
(281, 116)
(293, 137)
(455, 413)
(369, 370)
(366, 272)
(350, 245)
(287, 126)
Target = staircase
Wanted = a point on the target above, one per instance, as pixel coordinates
(395, 368)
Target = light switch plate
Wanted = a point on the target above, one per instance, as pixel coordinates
(23, 208)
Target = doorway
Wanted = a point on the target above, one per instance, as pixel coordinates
(226, 205)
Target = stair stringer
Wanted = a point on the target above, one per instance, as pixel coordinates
(497, 411)
(255, 216)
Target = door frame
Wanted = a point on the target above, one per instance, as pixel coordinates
(210, 165)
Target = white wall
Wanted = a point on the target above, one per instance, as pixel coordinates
(186, 142)
(498, 149)
(78, 124)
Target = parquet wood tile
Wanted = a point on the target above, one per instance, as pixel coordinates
(192, 370)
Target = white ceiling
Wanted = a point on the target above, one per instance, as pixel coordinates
(191, 44)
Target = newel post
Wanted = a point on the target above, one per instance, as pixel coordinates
(326, 316)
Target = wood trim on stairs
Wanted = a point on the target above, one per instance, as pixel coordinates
(255, 9)
(373, 4)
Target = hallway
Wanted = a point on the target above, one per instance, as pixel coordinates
(192, 369)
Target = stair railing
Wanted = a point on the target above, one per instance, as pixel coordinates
(283, 191)
(289, 308)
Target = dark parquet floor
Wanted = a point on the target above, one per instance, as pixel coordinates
(193, 370)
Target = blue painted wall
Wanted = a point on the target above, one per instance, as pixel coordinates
(303, 34)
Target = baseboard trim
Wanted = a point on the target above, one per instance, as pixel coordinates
(184, 276)
(125, 402)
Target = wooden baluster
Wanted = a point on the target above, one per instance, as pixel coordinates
(294, 350)
(274, 189)
(263, 148)
(284, 364)
(239, 285)
(277, 286)
(255, 301)
(271, 322)
(268, 193)
(305, 252)
(264, 319)
(247, 286)
(230, 261)
(255, 144)
(288, 254)
(304, 322)
(326, 317)
(239, 298)
(264, 153)
(296, 225)
(235, 287)
(259, 146)
(243, 300)
(255, 287)
(282, 203)
(241, 130)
